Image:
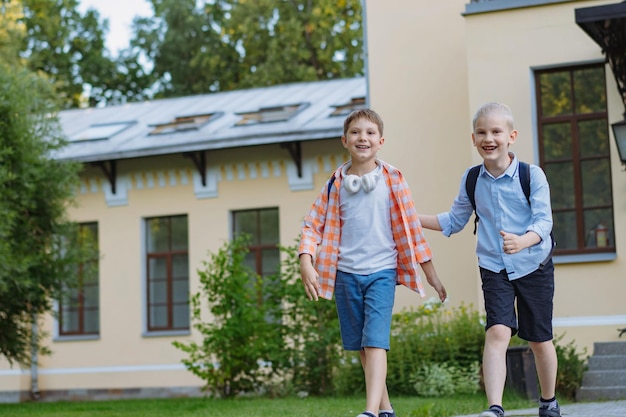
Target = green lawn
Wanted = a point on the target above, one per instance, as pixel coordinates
(257, 407)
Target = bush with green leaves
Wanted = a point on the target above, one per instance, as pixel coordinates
(239, 342)
(442, 379)
(260, 334)
(312, 331)
(433, 334)
(572, 366)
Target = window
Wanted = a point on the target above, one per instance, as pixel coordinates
(574, 153)
(182, 124)
(262, 226)
(167, 273)
(79, 308)
(345, 109)
(100, 131)
(268, 114)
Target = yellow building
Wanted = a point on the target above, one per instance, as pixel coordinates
(169, 180)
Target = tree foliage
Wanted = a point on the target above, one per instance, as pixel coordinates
(52, 38)
(229, 44)
(187, 47)
(37, 261)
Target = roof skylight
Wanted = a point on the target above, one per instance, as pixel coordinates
(100, 131)
(268, 114)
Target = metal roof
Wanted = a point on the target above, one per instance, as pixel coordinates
(128, 126)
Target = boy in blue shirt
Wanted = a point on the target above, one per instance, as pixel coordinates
(513, 249)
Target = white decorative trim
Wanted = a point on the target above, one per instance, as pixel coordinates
(265, 169)
(138, 180)
(276, 168)
(93, 185)
(252, 170)
(96, 370)
(184, 178)
(228, 170)
(172, 175)
(120, 198)
(210, 189)
(306, 181)
(161, 178)
(586, 321)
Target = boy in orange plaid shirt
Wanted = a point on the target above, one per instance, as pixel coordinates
(361, 237)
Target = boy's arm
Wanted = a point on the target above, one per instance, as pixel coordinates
(513, 243)
(433, 279)
(430, 221)
(309, 276)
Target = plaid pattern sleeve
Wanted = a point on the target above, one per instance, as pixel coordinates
(320, 234)
(411, 244)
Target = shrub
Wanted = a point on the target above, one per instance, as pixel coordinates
(242, 338)
(572, 366)
(433, 334)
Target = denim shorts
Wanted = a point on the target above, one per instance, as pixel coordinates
(532, 295)
(364, 306)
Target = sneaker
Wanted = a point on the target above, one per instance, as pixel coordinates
(392, 414)
(366, 414)
(544, 411)
(492, 412)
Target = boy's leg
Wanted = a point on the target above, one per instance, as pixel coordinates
(546, 363)
(494, 362)
(499, 296)
(378, 300)
(374, 362)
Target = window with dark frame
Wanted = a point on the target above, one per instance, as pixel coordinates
(79, 308)
(575, 155)
(167, 267)
(262, 227)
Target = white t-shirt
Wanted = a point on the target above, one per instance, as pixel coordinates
(366, 244)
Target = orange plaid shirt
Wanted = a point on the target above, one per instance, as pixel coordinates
(322, 228)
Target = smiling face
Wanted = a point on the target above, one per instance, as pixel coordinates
(492, 136)
(363, 140)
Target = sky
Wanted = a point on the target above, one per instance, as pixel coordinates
(120, 14)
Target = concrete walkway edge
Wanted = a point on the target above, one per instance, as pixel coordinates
(595, 409)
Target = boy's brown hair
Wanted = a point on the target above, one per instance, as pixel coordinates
(368, 114)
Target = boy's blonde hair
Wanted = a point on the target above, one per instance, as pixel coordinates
(493, 107)
(368, 114)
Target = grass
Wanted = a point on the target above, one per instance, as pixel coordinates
(256, 407)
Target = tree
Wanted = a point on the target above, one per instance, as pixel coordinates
(229, 44)
(51, 37)
(37, 261)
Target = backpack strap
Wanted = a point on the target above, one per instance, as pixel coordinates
(330, 185)
(524, 179)
(470, 188)
(472, 177)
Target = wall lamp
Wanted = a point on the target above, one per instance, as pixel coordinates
(606, 25)
(619, 133)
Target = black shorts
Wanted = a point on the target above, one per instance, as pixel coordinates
(533, 296)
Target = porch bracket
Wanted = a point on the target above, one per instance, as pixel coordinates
(199, 160)
(109, 169)
(295, 150)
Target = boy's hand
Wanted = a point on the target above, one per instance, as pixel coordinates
(309, 276)
(512, 243)
(433, 280)
(438, 286)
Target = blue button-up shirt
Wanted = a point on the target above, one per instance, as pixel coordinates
(502, 205)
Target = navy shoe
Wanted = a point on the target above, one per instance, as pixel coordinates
(544, 411)
(492, 412)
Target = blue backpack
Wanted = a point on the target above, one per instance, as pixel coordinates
(524, 179)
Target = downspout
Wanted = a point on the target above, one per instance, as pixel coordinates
(34, 359)
(365, 52)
